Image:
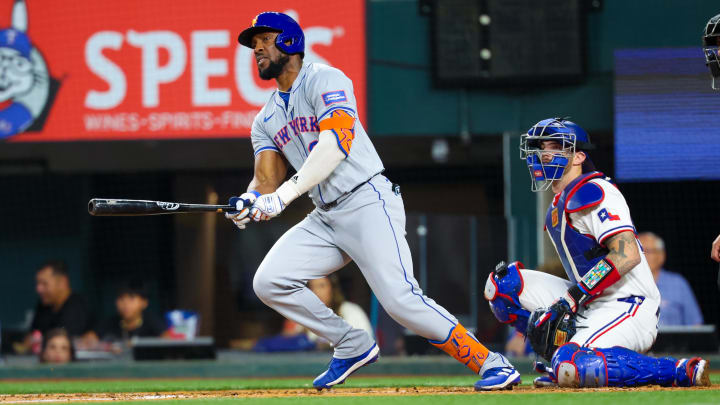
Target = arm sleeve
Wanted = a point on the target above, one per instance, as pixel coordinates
(606, 219)
(331, 95)
(321, 162)
(261, 141)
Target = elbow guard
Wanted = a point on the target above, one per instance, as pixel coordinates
(342, 124)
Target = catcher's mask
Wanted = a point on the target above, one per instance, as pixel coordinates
(711, 49)
(570, 137)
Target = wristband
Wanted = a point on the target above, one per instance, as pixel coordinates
(287, 192)
(601, 276)
(595, 281)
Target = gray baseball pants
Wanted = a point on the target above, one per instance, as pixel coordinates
(368, 227)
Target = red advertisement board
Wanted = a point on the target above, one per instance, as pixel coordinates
(88, 70)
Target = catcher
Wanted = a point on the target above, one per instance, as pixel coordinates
(593, 328)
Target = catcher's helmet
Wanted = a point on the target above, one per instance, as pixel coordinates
(571, 138)
(288, 28)
(711, 49)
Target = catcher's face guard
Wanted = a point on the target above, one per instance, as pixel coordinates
(550, 335)
(546, 165)
(712, 61)
(711, 49)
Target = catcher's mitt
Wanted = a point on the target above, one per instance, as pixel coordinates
(550, 328)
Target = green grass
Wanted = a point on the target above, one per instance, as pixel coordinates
(680, 397)
(675, 397)
(164, 385)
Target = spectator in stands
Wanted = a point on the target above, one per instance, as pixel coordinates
(57, 347)
(294, 337)
(715, 249)
(678, 305)
(59, 306)
(131, 318)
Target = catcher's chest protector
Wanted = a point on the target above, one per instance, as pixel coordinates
(578, 252)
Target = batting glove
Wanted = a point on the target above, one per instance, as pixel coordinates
(242, 204)
(267, 206)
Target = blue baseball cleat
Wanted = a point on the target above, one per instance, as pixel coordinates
(498, 378)
(339, 369)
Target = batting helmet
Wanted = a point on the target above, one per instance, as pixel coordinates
(288, 28)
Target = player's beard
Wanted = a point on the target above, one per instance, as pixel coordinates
(274, 68)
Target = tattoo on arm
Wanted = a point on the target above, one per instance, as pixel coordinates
(624, 252)
(621, 249)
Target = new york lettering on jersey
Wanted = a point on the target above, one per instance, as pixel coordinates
(298, 125)
(321, 98)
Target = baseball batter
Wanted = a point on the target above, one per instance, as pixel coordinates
(311, 124)
(610, 286)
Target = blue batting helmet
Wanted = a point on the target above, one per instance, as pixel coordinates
(570, 137)
(289, 31)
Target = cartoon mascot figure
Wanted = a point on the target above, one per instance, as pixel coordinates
(24, 78)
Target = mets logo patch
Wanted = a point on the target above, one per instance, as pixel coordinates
(336, 96)
(554, 217)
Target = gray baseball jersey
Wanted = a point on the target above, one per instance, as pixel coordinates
(319, 92)
(366, 225)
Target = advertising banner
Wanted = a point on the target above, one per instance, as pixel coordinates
(88, 70)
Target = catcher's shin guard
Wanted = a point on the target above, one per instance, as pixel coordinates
(617, 366)
(463, 347)
(502, 290)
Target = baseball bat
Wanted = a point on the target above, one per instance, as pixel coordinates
(124, 207)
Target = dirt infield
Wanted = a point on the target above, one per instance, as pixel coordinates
(305, 392)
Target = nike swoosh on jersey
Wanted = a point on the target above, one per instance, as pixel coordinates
(268, 117)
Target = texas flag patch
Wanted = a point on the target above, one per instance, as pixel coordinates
(604, 214)
(336, 96)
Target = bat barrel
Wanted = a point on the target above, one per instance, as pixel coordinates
(101, 207)
(118, 207)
